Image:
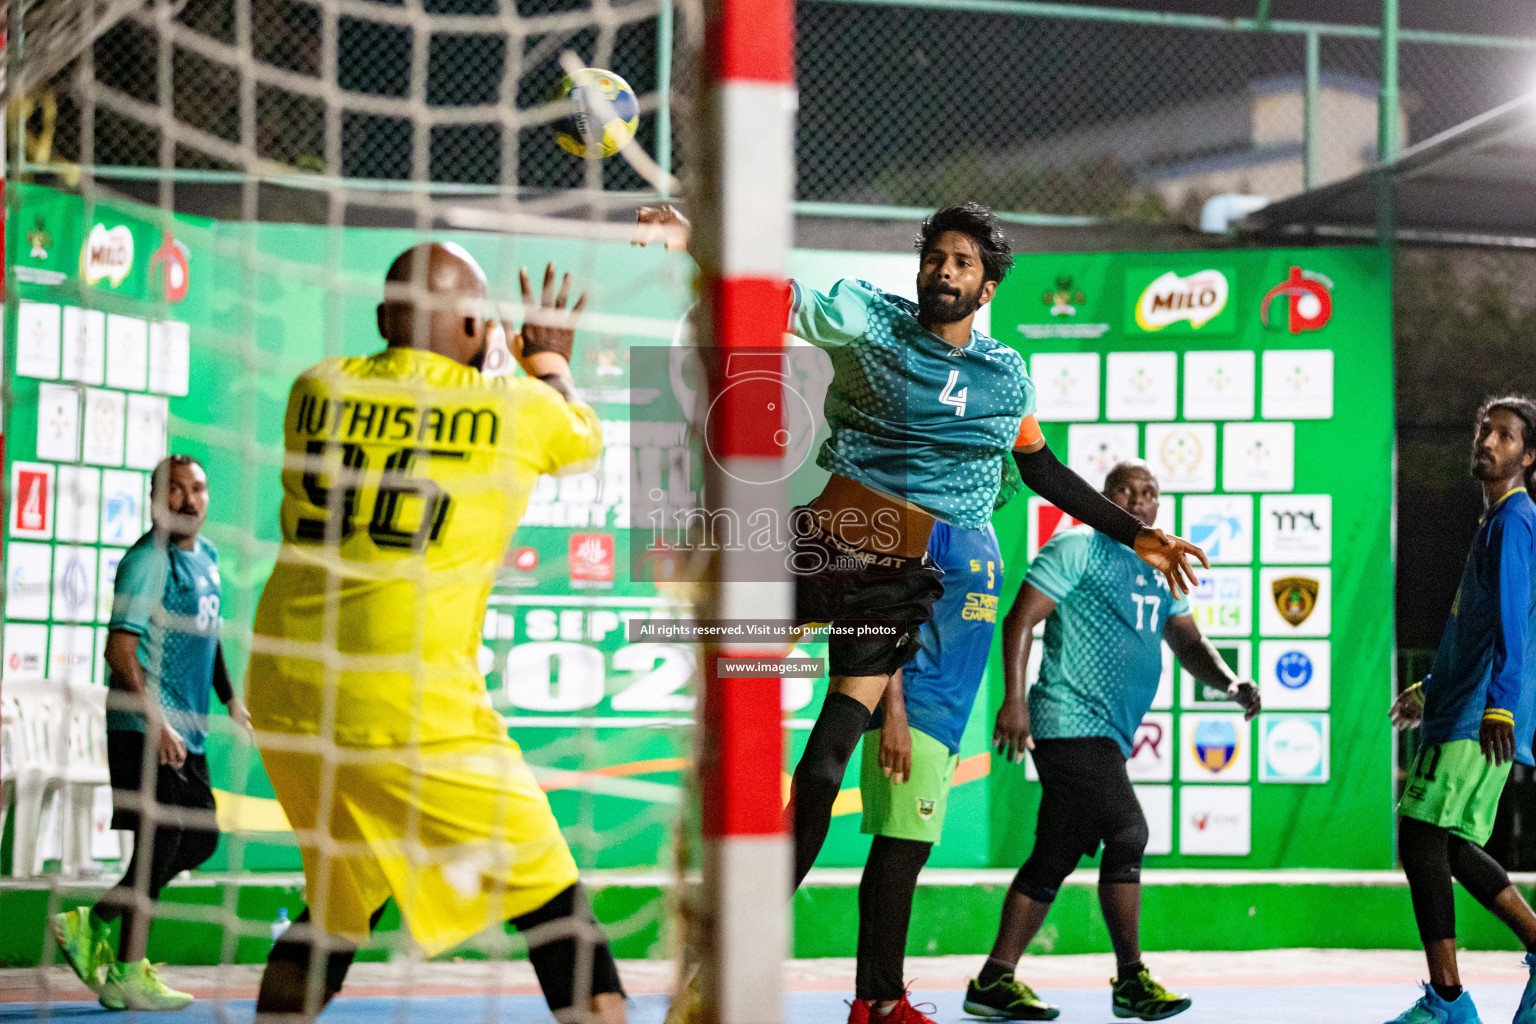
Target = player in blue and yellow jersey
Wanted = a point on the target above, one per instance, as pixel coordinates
(405, 476)
(1106, 619)
(164, 659)
(931, 421)
(1478, 711)
(910, 756)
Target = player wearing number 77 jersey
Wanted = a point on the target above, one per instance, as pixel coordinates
(405, 475)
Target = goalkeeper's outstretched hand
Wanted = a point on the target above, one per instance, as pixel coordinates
(662, 222)
(548, 327)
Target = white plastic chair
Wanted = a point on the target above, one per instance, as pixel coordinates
(30, 710)
(84, 770)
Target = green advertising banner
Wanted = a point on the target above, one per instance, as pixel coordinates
(130, 333)
(1257, 385)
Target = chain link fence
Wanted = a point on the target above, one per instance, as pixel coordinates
(1102, 114)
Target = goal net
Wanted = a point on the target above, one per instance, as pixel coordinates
(204, 200)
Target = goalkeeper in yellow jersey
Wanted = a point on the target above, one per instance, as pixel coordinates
(405, 474)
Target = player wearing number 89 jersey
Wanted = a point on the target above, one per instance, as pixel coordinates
(404, 478)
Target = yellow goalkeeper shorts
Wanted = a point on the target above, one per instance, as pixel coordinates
(459, 833)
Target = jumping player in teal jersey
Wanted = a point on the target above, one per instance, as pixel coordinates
(925, 412)
(909, 763)
(1106, 619)
(1478, 710)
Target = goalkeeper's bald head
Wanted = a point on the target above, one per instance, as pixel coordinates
(434, 299)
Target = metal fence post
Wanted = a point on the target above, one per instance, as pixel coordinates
(1309, 112)
(664, 96)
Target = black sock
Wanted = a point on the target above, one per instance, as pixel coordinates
(819, 775)
(994, 971)
(1450, 993)
(1130, 970)
(885, 912)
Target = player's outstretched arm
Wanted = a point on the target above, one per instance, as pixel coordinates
(1011, 735)
(1044, 474)
(1200, 660)
(543, 347)
(663, 223)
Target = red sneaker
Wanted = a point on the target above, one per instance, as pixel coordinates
(858, 1012)
(905, 1013)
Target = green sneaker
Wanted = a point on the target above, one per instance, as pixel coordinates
(1143, 997)
(1007, 998)
(138, 987)
(84, 944)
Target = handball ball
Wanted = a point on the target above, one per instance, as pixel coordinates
(585, 133)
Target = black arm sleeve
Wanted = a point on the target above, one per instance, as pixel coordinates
(1044, 474)
(221, 687)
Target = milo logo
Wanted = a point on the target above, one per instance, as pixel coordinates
(1198, 298)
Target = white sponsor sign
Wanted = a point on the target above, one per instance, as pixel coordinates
(1298, 384)
(1218, 385)
(1142, 385)
(1222, 605)
(102, 440)
(127, 353)
(122, 506)
(1295, 529)
(1198, 298)
(37, 340)
(1293, 748)
(1259, 456)
(170, 357)
(78, 511)
(1295, 675)
(85, 345)
(1093, 449)
(144, 439)
(1222, 525)
(26, 649)
(1182, 456)
(1216, 820)
(28, 580)
(1157, 807)
(1066, 386)
(1162, 700)
(58, 422)
(1213, 747)
(1296, 601)
(71, 651)
(1152, 749)
(74, 584)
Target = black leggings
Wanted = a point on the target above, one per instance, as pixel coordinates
(1432, 856)
(1085, 798)
(885, 912)
(171, 851)
(564, 943)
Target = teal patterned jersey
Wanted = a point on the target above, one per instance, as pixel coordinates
(912, 416)
(170, 598)
(1103, 643)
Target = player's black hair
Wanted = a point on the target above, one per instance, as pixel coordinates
(1124, 469)
(1522, 408)
(982, 226)
(166, 464)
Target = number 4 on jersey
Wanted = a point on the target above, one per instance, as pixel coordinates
(949, 396)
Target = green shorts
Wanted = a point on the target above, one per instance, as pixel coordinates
(913, 809)
(1453, 785)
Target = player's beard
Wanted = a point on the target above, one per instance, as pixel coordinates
(939, 305)
(1486, 467)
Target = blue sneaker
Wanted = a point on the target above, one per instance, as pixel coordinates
(1526, 1014)
(1431, 1009)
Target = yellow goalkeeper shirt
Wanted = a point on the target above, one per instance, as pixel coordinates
(404, 478)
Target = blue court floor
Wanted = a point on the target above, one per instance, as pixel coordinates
(1330, 1004)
